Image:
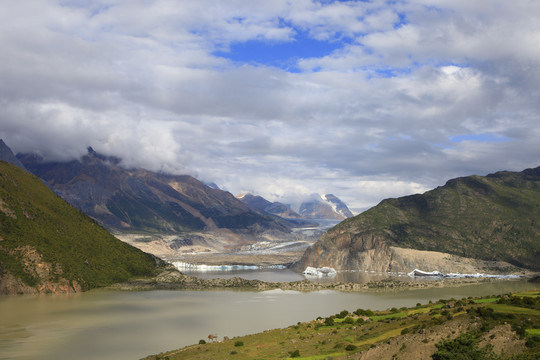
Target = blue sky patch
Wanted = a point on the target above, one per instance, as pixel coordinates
(478, 138)
(284, 55)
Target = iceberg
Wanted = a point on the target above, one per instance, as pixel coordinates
(319, 272)
(417, 272)
(421, 273)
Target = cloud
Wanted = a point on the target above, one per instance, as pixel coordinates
(372, 115)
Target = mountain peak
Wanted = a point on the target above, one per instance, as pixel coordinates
(95, 156)
(7, 155)
(326, 206)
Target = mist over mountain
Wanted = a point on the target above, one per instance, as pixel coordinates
(135, 200)
(328, 207)
(261, 204)
(7, 155)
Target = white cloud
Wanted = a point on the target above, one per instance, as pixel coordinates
(374, 118)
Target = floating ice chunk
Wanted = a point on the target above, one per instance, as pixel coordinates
(320, 272)
(417, 272)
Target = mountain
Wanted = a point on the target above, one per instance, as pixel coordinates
(261, 204)
(324, 207)
(138, 200)
(7, 155)
(464, 224)
(46, 245)
(337, 205)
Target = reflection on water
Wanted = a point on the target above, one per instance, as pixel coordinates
(289, 275)
(280, 275)
(130, 325)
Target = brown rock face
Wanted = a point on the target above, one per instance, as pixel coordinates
(344, 249)
(47, 278)
(369, 251)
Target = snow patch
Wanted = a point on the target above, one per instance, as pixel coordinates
(331, 204)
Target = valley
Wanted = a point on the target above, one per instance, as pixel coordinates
(315, 179)
(256, 256)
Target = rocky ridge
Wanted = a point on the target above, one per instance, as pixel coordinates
(470, 223)
(141, 201)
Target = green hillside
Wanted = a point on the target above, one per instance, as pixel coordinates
(494, 217)
(495, 328)
(44, 241)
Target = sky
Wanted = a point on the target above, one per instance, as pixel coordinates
(363, 99)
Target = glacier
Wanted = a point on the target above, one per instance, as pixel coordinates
(183, 266)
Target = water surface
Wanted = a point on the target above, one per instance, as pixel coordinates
(130, 325)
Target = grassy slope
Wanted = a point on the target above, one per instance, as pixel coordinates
(34, 216)
(349, 336)
(496, 217)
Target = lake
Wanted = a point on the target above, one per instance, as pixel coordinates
(131, 325)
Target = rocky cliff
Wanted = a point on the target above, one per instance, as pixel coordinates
(471, 223)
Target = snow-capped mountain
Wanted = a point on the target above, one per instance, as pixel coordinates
(326, 206)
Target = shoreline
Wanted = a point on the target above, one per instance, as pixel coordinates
(171, 279)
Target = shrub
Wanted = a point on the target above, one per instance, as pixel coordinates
(362, 312)
(329, 321)
(533, 341)
(295, 353)
(350, 347)
(238, 343)
(465, 346)
(202, 342)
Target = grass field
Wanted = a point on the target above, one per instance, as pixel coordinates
(509, 309)
(488, 300)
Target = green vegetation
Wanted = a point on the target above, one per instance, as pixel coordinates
(456, 329)
(486, 300)
(496, 217)
(44, 239)
(464, 347)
